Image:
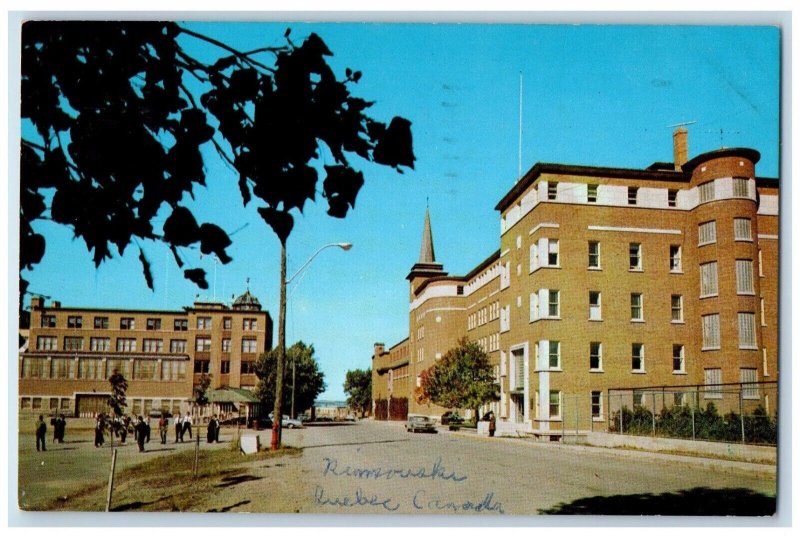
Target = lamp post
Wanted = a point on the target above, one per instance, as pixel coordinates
(277, 411)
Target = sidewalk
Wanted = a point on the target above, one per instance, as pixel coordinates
(708, 462)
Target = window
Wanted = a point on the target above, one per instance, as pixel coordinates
(90, 369)
(46, 343)
(226, 324)
(594, 255)
(249, 324)
(553, 304)
(153, 345)
(127, 324)
(707, 233)
(505, 318)
(595, 312)
(747, 330)
(552, 252)
(534, 306)
(202, 366)
(145, 369)
(48, 321)
(712, 378)
(73, 343)
(763, 318)
(744, 277)
(248, 367)
(638, 397)
(635, 256)
(637, 357)
(675, 259)
(678, 362)
(706, 191)
(126, 344)
(555, 404)
(204, 323)
(99, 344)
(181, 325)
(591, 193)
(74, 322)
(202, 343)
(708, 279)
(101, 323)
(62, 368)
(597, 404)
(595, 356)
(760, 264)
(519, 370)
(173, 370)
(226, 345)
(248, 345)
(672, 198)
(552, 190)
(554, 355)
(153, 324)
(677, 308)
(742, 230)
(177, 346)
(711, 331)
(225, 367)
(677, 399)
(748, 377)
(34, 368)
(637, 311)
(119, 366)
(740, 187)
(633, 194)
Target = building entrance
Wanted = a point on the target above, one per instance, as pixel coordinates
(91, 405)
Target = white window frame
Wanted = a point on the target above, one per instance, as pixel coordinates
(552, 191)
(551, 344)
(707, 233)
(46, 343)
(633, 195)
(598, 266)
(202, 344)
(679, 308)
(679, 354)
(591, 193)
(741, 187)
(558, 405)
(641, 369)
(675, 259)
(748, 377)
(637, 297)
(596, 308)
(638, 253)
(711, 332)
(599, 356)
(249, 345)
(551, 303)
(747, 330)
(177, 345)
(709, 280)
(742, 229)
(706, 192)
(599, 395)
(744, 277)
(99, 343)
(711, 378)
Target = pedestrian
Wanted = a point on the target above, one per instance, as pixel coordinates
(178, 428)
(213, 425)
(124, 427)
(217, 427)
(41, 432)
(492, 424)
(147, 431)
(98, 431)
(141, 433)
(162, 428)
(62, 427)
(187, 426)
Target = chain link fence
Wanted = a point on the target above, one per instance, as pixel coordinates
(731, 412)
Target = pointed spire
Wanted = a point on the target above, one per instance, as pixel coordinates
(426, 253)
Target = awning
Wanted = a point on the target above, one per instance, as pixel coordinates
(232, 395)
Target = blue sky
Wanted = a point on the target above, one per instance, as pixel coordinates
(593, 95)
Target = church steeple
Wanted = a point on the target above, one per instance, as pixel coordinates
(426, 253)
(426, 266)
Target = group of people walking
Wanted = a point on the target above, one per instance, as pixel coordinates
(120, 427)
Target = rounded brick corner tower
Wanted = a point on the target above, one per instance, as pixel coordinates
(726, 262)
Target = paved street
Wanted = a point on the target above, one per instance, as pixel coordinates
(378, 468)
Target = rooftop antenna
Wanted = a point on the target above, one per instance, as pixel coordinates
(519, 143)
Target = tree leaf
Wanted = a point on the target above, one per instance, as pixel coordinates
(395, 145)
(280, 221)
(181, 228)
(213, 239)
(148, 275)
(198, 276)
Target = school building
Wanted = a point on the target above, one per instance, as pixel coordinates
(71, 352)
(609, 286)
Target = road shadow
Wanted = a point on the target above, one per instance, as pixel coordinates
(229, 508)
(356, 443)
(149, 450)
(137, 504)
(326, 424)
(692, 502)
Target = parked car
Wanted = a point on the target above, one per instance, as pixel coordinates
(420, 424)
(287, 422)
(350, 417)
(451, 417)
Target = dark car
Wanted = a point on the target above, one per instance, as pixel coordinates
(420, 424)
(451, 417)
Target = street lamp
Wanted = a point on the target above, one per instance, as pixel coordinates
(277, 411)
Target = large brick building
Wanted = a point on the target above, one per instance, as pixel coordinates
(609, 278)
(71, 353)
